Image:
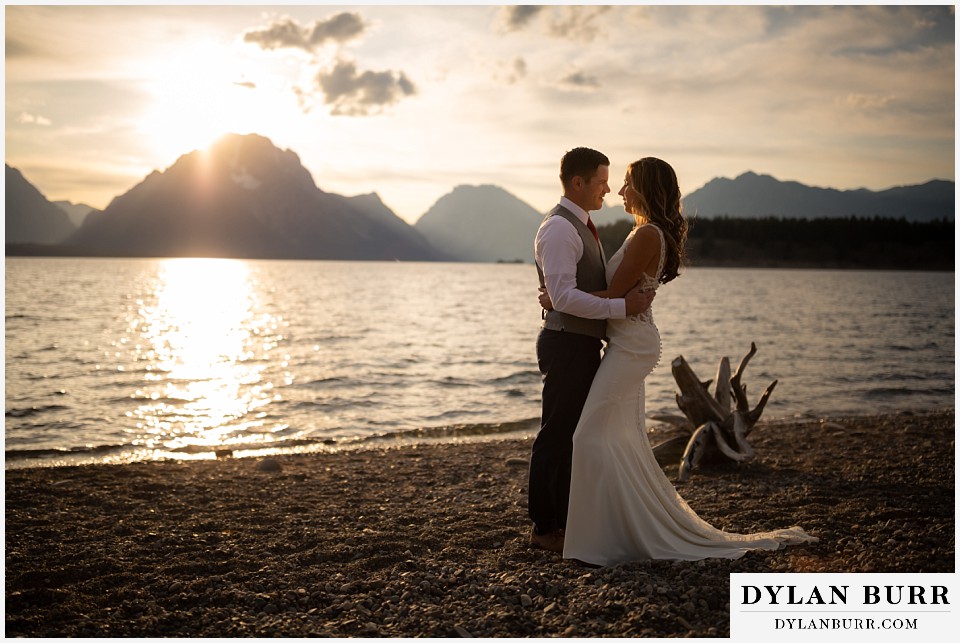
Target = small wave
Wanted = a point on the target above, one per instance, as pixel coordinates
(451, 381)
(146, 398)
(898, 377)
(33, 377)
(336, 403)
(19, 454)
(517, 378)
(903, 348)
(888, 392)
(455, 430)
(514, 392)
(326, 382)
(34, 410)
(193, 449)
(453, 414)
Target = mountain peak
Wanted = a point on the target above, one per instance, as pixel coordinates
(29, 217)
(481, 223)
(245, 197)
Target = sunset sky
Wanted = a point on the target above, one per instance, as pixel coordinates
(410, 101)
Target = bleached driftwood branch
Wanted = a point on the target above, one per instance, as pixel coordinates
(715, 424)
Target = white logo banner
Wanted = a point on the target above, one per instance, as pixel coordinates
(843, 607)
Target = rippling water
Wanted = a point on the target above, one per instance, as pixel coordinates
(115, 359)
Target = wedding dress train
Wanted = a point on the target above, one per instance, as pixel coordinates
(622, 506)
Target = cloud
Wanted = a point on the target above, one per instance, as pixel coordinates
(578, 80)
(16, 48)
(33, 119)
(287, 33)
(519, 69)
(245, 83)
(516, 17)
(353, 93)
(577, 23)
(567, 22)
(510, 72)
(866, 101)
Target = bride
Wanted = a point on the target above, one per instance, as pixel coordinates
(622, 506)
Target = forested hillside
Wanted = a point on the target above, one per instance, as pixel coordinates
(772, 242)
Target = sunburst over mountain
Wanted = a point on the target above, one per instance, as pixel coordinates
(244, 197)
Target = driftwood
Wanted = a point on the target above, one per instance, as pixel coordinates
(714, 426)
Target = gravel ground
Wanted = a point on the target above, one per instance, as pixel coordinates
(430, 540)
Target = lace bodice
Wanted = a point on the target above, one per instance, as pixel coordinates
(637, 334)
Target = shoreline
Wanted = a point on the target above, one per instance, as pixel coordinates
(445, 435)
(430, 539)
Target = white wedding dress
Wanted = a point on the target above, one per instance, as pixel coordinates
(622, 506)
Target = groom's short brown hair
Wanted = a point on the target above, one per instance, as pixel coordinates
(581, 161)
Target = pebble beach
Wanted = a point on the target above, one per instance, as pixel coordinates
(430, 540)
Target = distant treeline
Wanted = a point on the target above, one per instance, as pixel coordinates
(773, 242)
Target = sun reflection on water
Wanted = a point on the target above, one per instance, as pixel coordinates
(205, 350)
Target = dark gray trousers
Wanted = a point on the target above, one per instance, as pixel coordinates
(568, 363)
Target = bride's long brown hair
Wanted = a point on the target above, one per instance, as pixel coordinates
(658, 192)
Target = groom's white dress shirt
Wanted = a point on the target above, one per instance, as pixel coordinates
(559, 265)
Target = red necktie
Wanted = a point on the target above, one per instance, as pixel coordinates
(593, 229)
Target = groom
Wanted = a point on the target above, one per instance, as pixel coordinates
(571, 265)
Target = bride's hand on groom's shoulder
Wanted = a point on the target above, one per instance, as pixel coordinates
(544, 298)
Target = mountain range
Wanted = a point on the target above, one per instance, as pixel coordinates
(246, 198)
(753, 195)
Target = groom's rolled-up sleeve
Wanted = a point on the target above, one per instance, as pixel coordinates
(558, 248)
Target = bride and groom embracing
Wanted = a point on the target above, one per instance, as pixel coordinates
(596, 492)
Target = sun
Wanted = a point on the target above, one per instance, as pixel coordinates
(201, 93)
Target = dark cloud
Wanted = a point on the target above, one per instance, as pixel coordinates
(287, 33)
(353, 93)
(578, 23)
(519, 68)
(581, 23)
(580, 80)
(16, 48)
(510, 72)
(516, 17)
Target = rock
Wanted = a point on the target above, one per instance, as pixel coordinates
(462, 632)
(269, 465)
(516, 462)
(525, 600)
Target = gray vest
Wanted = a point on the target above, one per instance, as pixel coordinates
(591, 276)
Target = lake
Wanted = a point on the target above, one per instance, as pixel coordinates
(114, 360)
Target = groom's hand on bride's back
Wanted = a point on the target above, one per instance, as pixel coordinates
(638, 301)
